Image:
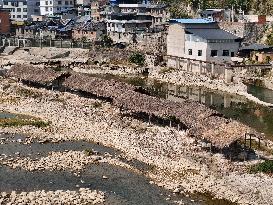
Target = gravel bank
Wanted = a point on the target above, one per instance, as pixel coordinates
(180, 163)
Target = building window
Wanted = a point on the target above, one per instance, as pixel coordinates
(13, 16)
(50, 8)
(190, 52)
(225, 52)
(18, 16)
(50, 2)
(24, 9)
(19, 10)
(71, 3)
(37, 4)
(46, 2)
(199, 52)
(66, 2)
(46, 8)
(5, 3)
(213, 53)
(36, 10)
(59, 2)
(24, 3)
(232, 54)
(25, 16)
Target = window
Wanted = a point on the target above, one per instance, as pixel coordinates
(46, 8)
(46, 2)
(50, 2)
(71, 3)
(190, 52)
(36, 10)
(66, 2)
(18, 9)
(59, 2)
(199, 52)
(50, 8)
(232, 54)
(213, 53)
(13, 16)
(24, 3)
(19, 16)
(5, 3)
(24, 9)
(37, 3)
(225, 52)
(24, 16)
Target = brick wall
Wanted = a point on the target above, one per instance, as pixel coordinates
(4, 22)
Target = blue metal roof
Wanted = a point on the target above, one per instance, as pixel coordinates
(192, 21)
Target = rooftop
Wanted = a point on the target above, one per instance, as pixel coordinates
(213, 34)
(192, 21)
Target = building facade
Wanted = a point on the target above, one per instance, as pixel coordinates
(50, 7)
(200, 39)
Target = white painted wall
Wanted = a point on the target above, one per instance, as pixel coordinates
(49, 7)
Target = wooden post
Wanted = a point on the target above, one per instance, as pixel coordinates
(245, 141)
(149, 119)
(259, 142)
(170, 123)
(250, 141)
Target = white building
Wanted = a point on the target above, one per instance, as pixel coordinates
(200, 39)
(21, 10)
(49, 7)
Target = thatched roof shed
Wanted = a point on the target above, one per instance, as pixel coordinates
(219, 131)
(33, 74)
(97, 86)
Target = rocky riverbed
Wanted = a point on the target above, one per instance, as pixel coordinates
(179, 163)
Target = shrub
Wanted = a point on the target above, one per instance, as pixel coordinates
(137, 58)
(106, 41)
(265, 167)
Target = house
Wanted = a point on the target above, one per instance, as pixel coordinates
(202, 40)
(22, 10)
(124, 21)
(4, 21)
(257, 53)
(88, 31)
(50, 7)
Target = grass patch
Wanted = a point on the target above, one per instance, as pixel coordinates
(18, 122)
(265, 167)
(88, 152)
(166, 70)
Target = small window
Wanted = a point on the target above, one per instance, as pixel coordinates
(46, 2)
(50, 2)
(46, 8)
(59, 2)
(66, 2)
(213, 53)
(199, 52)
(190, 52)
(5, 3)
(24, 16)
(24, 3)
(71, 3)
(225, 52)
(37, 3)
(19, 16)
(232, 54)
(24, 9)
(18, 9)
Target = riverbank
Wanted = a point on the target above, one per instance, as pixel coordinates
(179, 162)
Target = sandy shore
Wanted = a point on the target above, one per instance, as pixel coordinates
(179, 162)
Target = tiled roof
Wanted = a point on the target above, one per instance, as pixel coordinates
(212, 34)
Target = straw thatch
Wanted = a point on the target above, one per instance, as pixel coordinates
(219, 131)
(97, 86)
(33, 74)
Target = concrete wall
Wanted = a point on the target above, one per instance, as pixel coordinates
(176, 40)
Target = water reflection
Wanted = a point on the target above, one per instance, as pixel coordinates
(263, 94)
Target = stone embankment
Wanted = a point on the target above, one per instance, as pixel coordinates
(179, 161)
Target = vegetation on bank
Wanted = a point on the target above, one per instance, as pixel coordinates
(17, 122)
(137, 58)
(265, 167)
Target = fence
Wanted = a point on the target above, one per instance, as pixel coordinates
(31, 42)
